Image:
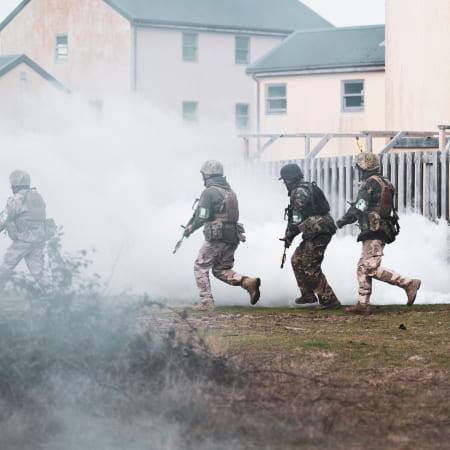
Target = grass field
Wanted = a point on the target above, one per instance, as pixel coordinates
(334, 380)
(138, 375)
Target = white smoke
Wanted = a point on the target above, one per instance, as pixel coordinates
(124, 183)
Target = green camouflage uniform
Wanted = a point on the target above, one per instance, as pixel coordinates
(317, 232)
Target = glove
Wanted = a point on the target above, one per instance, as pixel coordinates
(341, 222)
(187, 231)
(287, 241)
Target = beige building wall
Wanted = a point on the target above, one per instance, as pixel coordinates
(314, 105)
(99, 41)
(417, 64)
(215, 81)
(22, 87)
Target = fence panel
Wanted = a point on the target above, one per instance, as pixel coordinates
(421, 179)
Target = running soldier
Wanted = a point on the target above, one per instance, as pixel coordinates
(377, 220)
(24, 220)
(308, 213)
(218, 213)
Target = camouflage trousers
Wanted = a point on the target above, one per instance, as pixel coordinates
(369, 267)
(306, 263)
(32, 253)
(218, 256)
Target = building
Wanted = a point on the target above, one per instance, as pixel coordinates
(20, 79)
(321, 81)
(185, 58)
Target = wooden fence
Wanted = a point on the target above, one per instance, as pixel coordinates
(421, 179)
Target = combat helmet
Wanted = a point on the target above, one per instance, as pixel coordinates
(212, 168)
(367, 161)
(19, 178)
(291, 171)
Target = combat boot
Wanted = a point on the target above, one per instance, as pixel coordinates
(411, 291)
(205, 305)
(333, 305)
(304, 299)
(359, 308)
(251, 285)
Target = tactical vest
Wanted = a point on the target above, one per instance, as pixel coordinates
(224, 225)
(319, 205)
(229, 210)
(34, 211)
(378, 222)
(385, 204)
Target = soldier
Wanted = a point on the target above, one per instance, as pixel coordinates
(218, 213)
(373, 210)
(308, 213)
(24, 219)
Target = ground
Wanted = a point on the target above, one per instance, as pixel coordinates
(333, 380)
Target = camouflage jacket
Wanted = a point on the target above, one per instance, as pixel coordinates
(302, 218)
(211, 202)
(24, 216)
(367, 201)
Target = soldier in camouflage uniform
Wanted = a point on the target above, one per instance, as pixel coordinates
(373, 210)
(218, 213)
(24, 219)
(308, 213)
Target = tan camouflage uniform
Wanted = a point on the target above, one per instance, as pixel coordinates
(27, 234)
(373, 211)
(218, 213)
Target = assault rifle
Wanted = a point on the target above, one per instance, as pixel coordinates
(288, 217)
(180, 242)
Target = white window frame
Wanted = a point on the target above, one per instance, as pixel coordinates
(189, 116)
(345, 96)
(242, 121)
(270, 109)
(241, 49)
(189, 48)
(61, 49)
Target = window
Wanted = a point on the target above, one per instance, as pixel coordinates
(276, 102)
(190, 111)
(190, 46)
(61, 48)
(242, 116)
(241, 50)
(23, 78)
(353, 95)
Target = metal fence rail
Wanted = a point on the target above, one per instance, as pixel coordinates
(421, 179)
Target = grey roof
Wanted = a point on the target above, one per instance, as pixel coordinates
(9, 62)
(324, 49)
(283, 16)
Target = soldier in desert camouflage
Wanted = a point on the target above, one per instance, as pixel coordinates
(24, 219)
(373, 209)
(218, 213)
(308, 213)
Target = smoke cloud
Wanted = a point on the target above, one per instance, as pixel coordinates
(123, 183)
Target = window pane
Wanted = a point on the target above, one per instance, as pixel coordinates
(277, 104)
(190, 111)
(242, 115)
(354, 101)
(276, 91)
(353, 88)
(189, 46)
(241, 51)
(61, 39)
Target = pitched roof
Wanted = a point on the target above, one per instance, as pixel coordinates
(282, 16)
(9, 62)
(325, 49)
